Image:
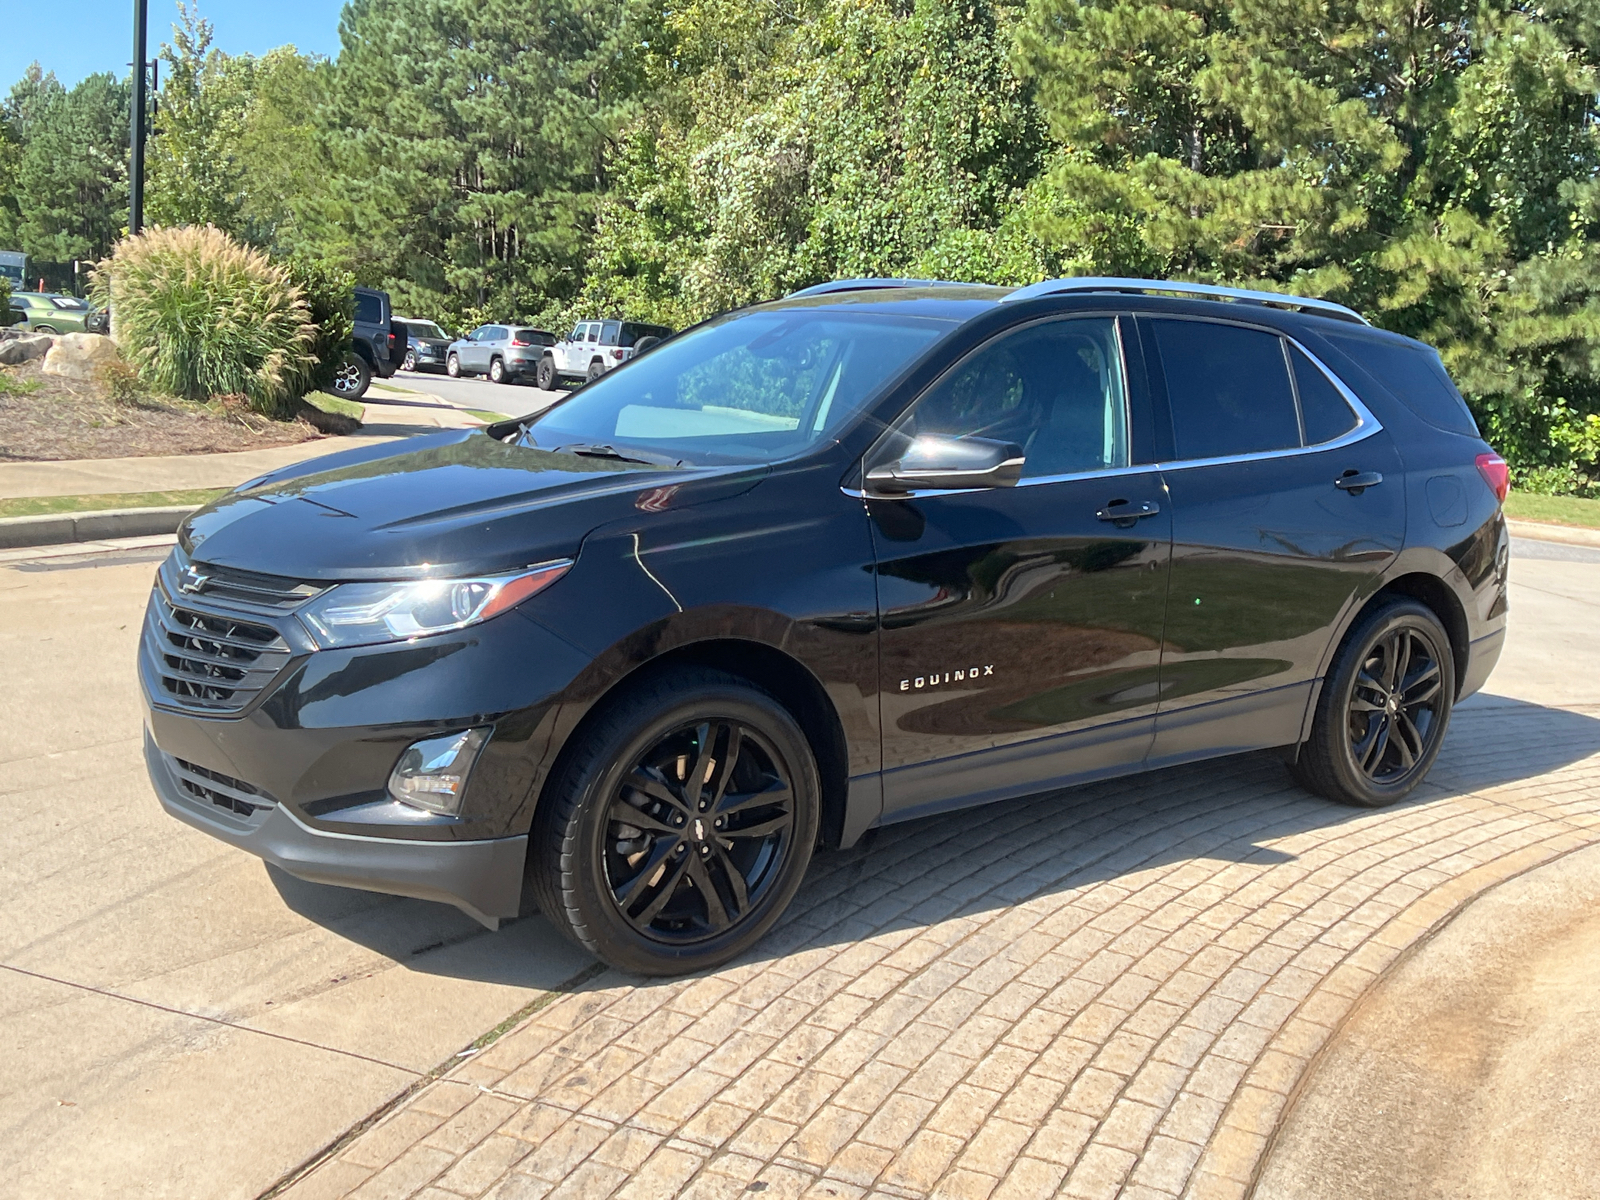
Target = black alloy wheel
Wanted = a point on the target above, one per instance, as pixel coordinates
(680, 830)
(452, 366)
(351, 380)
(1384, 709)
(546, 375)
(497, 370)
(410, 363)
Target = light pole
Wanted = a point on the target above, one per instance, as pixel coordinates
(141, 20)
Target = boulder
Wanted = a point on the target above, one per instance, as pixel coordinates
(24, 347)
(80, 355)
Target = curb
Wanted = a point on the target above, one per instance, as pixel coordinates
(1572, 535)
(56, 528)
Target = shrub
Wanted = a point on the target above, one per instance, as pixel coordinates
(121, 381)
(198, 315)
(330, 295)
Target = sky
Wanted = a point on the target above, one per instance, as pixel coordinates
(79, 37)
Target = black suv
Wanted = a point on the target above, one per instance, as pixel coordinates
(877, 550)
(377, 345)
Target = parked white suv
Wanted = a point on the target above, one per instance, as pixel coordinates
(594, 347)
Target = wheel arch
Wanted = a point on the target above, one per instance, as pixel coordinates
(1434, 594)
(767, 667)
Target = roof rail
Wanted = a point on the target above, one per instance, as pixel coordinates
(1096, 283)
(863, 285)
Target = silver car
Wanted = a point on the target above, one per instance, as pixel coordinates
(505, 353)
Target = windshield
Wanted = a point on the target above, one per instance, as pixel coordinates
(71, 302)
(424, 329)
(750, 387)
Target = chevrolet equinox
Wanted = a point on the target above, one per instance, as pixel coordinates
(881, 549)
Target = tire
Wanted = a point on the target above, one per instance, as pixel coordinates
(619, 886)
(644, 344)
(410, 363)
(352, 379)
(596, 369)
(497, 370)
(546, 377)
(1371, 743)
(452, 367)
(46, 329)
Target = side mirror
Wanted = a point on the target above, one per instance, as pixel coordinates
(937, 461)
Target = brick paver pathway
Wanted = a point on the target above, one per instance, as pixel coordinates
(1106, 991)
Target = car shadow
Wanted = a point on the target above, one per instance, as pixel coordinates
(977, 860)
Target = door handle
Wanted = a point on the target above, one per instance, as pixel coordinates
(1356, 482)
(1123, 514)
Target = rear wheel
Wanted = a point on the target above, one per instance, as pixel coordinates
(546, 376)
(497, 370)
(679, 830)
(352, 379)
(410, 363)
(596, 369)
(1384, 708)
(452, 367)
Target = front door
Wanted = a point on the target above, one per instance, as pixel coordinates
(1271, 546)
(1021, 626)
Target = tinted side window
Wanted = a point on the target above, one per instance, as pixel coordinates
(1323, 410)
(1414, 374)
(1228, 388)
(369, 309)
(1055, 389)
(608, 333)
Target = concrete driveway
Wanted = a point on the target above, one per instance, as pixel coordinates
(1110, 990)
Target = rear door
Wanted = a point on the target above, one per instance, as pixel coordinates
(1020, 627)
(1271, 546)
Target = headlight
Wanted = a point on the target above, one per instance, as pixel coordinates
(360, 614)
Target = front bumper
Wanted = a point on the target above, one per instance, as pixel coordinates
(481, 878)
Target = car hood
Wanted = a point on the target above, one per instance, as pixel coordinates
(435, 343)
(451, 503)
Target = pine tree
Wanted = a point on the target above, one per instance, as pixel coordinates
(72, 180)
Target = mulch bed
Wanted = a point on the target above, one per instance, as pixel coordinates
(45, 417)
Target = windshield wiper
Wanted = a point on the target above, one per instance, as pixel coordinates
(637, 456)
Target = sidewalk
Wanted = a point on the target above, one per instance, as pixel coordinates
(389, 416)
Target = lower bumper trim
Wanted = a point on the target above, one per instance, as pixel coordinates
(481, 878)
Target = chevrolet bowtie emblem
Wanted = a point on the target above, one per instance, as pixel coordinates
(193, 581)
(699, 830)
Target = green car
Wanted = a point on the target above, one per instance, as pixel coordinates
(47, 312)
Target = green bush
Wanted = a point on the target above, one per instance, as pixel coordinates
(199, 315)
(330, 295)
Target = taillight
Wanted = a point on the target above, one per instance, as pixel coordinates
(521, 342)
(618, 353)
(1496, 474)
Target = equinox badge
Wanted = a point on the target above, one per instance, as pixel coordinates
(934, 680)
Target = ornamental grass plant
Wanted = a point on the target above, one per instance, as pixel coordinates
(198, 316)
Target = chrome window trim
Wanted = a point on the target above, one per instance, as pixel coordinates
(1366, 426)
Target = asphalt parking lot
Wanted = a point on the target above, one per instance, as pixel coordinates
(1114, 989)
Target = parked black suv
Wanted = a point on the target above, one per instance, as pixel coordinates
(874, 551)
(377, 345)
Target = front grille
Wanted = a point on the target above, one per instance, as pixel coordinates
(250, 588)
(224, 791)
(210, 661)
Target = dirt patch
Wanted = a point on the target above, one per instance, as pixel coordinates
(46, 417)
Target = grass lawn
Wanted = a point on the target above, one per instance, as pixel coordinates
(329, 403)
(487, 417)
(38, 506)
(1558, 510)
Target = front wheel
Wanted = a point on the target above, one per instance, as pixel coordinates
(352, 379)
(1384, 708)
(452, 367)
(679, 830)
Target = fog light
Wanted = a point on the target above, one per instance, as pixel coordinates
(432, 774)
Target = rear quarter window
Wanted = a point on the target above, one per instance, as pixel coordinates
(369, 309)
(1416, 377)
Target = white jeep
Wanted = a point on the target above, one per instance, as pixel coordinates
(595, 347)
